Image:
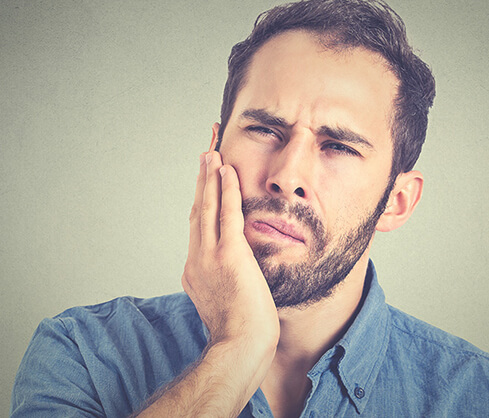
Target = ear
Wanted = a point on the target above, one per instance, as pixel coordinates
(403, 200)
(215, 133)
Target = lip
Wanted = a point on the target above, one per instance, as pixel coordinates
(279, 229)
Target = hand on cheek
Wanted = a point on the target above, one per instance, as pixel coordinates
(221, 275)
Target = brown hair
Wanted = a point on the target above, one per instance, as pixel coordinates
(370, 24)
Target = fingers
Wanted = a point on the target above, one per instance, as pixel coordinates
(211, 202)
(231, 216)
(216, 214)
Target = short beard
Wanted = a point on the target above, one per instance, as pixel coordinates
(302, 284)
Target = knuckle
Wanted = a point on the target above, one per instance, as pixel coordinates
(187, 272)
(192, 269)
(207, 207)
(224, 217)
(222, 254)
(187, 287)
(204, 223)
(194, 213)
(228, 216)
(190, 273)
(229, 220)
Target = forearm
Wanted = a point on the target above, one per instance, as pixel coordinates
(219, 385)
(232, 297)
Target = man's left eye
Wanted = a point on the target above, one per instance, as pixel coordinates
(338, 148)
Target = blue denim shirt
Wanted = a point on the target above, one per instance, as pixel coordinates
(105, 360)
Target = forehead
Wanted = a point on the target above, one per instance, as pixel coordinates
(296, 77)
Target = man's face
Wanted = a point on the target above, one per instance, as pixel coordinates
(309, 136)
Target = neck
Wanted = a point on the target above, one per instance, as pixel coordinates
(306, 334)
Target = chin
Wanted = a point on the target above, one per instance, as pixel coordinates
(274, 255)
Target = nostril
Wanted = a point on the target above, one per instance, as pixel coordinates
(276, 187)
(300, 192)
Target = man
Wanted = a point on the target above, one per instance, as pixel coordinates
(324, 115)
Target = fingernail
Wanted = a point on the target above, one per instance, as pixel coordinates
(222, 170)
(208, 157)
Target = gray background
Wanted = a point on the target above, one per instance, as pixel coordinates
(105, 107)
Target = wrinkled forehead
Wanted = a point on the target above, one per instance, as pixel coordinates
(293, 74)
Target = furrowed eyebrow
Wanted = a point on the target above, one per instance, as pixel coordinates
(344, 135)
(264, 117)
(340, 134)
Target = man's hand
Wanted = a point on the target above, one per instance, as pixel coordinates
(221, 276)
(223, 279)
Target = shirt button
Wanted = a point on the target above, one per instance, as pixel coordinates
(359, 392)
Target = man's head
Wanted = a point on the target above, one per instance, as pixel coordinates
(308, 120)
(344, 24)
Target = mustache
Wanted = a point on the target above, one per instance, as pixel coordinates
(303, 214)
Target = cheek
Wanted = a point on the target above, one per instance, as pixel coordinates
(347, 194)
(250, 166)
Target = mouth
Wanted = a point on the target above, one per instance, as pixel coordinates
(279, 230)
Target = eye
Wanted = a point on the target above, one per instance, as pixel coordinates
(339, 148)
(263, 131)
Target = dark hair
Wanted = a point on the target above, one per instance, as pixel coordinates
(370, 24)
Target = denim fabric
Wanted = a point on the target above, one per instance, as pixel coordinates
(105, 360)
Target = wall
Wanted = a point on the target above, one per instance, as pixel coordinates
(105, 107)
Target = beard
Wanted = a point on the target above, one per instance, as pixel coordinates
(302, 284)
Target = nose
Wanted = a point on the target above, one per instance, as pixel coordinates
(289, 173)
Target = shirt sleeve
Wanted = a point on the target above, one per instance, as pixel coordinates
(53, 379)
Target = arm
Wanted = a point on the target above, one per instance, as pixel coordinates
(52, 379)
(219, 385)
(232, 297)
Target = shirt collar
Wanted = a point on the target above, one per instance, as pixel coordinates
(363, 346)
(365, 343)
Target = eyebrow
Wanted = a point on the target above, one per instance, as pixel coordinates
(344, 135)
(264, 117)
(338, 133)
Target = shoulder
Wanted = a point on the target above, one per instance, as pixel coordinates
(423, 353)
(440, 371)
(161, 324)
(424, 336)
(122, 330)
(165, 323)
(176, 303)
(107, 357)
(428, 372)
(175, 309)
